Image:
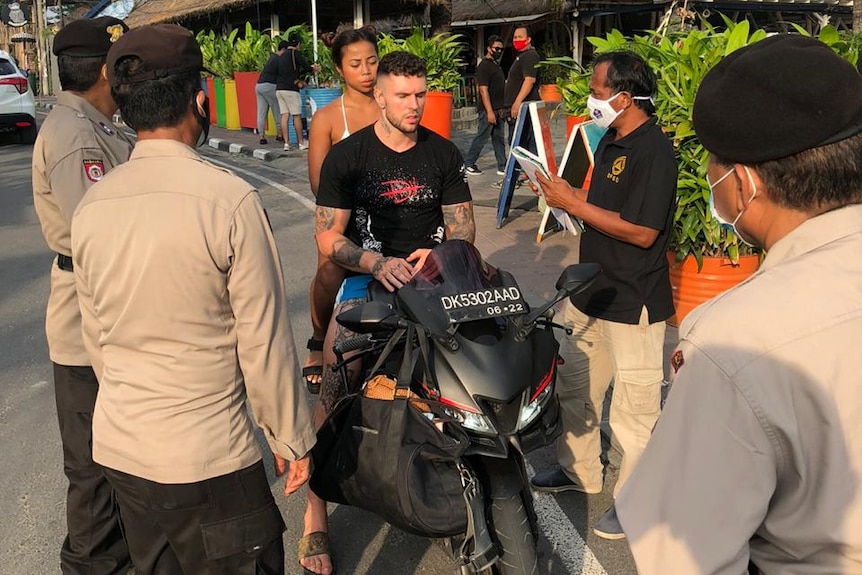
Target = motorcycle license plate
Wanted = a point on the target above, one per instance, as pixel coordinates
(483, 304)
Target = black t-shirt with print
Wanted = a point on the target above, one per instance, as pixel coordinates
(489, 74)
(636, 177)
(523, 66)
(395, 197)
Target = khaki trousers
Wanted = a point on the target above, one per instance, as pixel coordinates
(597, 351)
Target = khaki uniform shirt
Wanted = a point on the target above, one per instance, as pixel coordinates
(185, 317)
(758, 452)
(76, 145)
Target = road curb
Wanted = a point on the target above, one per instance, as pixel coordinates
(242, 149)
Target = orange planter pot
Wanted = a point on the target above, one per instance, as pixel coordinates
(438, 113)
(571, 122)
(212, 100)
(246, 98)
(691, 288)
(550, 93)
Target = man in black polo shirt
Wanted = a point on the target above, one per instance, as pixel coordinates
(618, 324)
(521, 84)
(491, 81)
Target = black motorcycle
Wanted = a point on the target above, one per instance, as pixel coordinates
(491, 367)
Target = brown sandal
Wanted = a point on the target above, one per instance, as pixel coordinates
(312, 372)
(316, 543)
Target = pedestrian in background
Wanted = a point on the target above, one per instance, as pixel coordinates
(758, 453)
(185, 316)
(618, 323)
(76, 145)
(292, 71)
(264, 91)
(491, 82)
(521, 85)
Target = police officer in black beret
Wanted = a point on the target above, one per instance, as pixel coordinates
(757, 455)
(76, 145)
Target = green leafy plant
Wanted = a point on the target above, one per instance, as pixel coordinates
(217, 52)
(554, 65)
(440, 52)
(251, 51)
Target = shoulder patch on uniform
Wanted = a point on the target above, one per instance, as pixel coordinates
(106, 129)
(94, 169)
(677, 360)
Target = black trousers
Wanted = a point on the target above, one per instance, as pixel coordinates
(227, 525)
(94, 542)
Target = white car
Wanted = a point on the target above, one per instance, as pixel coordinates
(17, 103)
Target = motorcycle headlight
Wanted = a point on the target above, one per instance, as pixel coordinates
(534, 407)
(471, 420)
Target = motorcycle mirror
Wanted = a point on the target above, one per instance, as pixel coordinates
(370, 317)
(574, 279)
(577, 277)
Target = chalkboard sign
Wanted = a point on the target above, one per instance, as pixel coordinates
(532, 132)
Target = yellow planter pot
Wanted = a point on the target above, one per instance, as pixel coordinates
(231, 105)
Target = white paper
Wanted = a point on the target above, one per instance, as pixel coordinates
(533, 165)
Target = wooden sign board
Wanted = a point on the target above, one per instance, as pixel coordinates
(533, 132)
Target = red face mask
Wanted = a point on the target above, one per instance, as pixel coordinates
(519, 45)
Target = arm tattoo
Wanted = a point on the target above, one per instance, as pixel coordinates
(347, 254)
(459, 222)
(324, 219)
(378, 264)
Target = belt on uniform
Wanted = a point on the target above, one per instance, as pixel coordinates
(65, 263)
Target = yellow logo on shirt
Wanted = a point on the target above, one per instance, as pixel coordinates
(617, 168)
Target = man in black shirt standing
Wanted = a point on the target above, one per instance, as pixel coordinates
(491, 81)
(618, 324)
(521, 84)
(292, 70)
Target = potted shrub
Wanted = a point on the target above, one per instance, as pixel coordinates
(705, 259)
(218, 58)
(552, 67)
(250, 53)
(441, 53)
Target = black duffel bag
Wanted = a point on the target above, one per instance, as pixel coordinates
(380, 452)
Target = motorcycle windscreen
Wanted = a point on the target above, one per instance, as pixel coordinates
(457, 284)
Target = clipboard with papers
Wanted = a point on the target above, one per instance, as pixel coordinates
(533, 165)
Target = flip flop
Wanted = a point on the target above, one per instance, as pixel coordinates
(316, 543)
(313, 373)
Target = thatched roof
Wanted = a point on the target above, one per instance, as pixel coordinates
(477, 12)
(158, 11)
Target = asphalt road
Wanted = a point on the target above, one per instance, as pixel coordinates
(33, 486)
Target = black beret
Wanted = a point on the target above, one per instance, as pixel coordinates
(776, 98)
(164, 50)
(89, 38)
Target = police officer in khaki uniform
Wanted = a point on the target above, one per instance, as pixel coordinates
(758, 453)
(185, 317)
(76, 145)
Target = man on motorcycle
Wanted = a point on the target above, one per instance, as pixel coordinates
(387, 194)
(758, 452)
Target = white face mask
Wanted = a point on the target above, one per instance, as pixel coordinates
(731, 226)
(602, 112)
